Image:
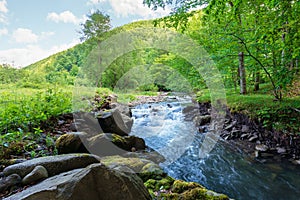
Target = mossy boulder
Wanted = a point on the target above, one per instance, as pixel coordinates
(169, 189)
(136, 164)
(128, 143)
(71, 143)
(151, 171)
(180, 186)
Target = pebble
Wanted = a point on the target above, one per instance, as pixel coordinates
(280, 150)
(253, 138)
(261, 147)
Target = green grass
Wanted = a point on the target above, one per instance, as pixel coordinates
(278, 115)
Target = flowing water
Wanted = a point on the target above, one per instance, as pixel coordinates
(224, 169)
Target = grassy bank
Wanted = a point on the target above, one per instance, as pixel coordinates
(282, 115)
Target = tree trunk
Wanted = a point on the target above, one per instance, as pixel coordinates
(242, 73)
(256, 81)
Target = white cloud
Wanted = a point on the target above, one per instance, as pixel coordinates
(3, 6)
(66, 17)
(23, 35)
(3, 11)
(22, 57)
(26, 36)
(3, 31)
(125, 8)
(93, 2)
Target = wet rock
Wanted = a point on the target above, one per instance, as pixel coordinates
(296, 162)
(231, 125)
(235, 133)
(71, 143)
(128, 121)
(95, 182)
(281, 150)
(113, 122)
(124, 109)
(53, 164)
(245, 129)
(266, 155)
(9, 181)
(245, 136)
(261, 147)
(253, 138)
(37, 174)
(202, 120)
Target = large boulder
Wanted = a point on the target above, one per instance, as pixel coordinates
(113, 121)
(102, 144)
(124, 109)
(107, 144)
(53, 164)
(71, 143)
(95, 182)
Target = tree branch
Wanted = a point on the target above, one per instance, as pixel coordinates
(259, 62)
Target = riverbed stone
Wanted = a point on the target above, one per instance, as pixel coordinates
(113, 121)
(9, 181)
(95, 182)
(281, 150)
(124, 109)
(37, 174)
(261, 147)
(253, 138)
(53, 164)
(202, 120)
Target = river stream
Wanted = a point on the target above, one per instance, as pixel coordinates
(224, 169)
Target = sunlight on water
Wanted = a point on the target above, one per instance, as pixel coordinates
(224, 170)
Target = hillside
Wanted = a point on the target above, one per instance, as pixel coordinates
(62, 68)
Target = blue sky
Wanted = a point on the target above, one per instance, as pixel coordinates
(31, 30)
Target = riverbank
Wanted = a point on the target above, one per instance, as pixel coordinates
(265, 129)
(65, 140)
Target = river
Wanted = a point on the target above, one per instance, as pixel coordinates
(225, 169)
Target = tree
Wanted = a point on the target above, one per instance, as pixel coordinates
(95, 26)
(93, 29)
(262, 46)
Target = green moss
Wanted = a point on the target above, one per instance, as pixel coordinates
(152, 171)
(195, 193)
(135, 164)
(163, 184)
(170, 189)
(180, 186)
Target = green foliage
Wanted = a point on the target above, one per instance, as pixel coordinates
(272, 114)
(8, 74)
(226, 28)
(25, 112)
(95, 26)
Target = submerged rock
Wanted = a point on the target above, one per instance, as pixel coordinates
(95, 182)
